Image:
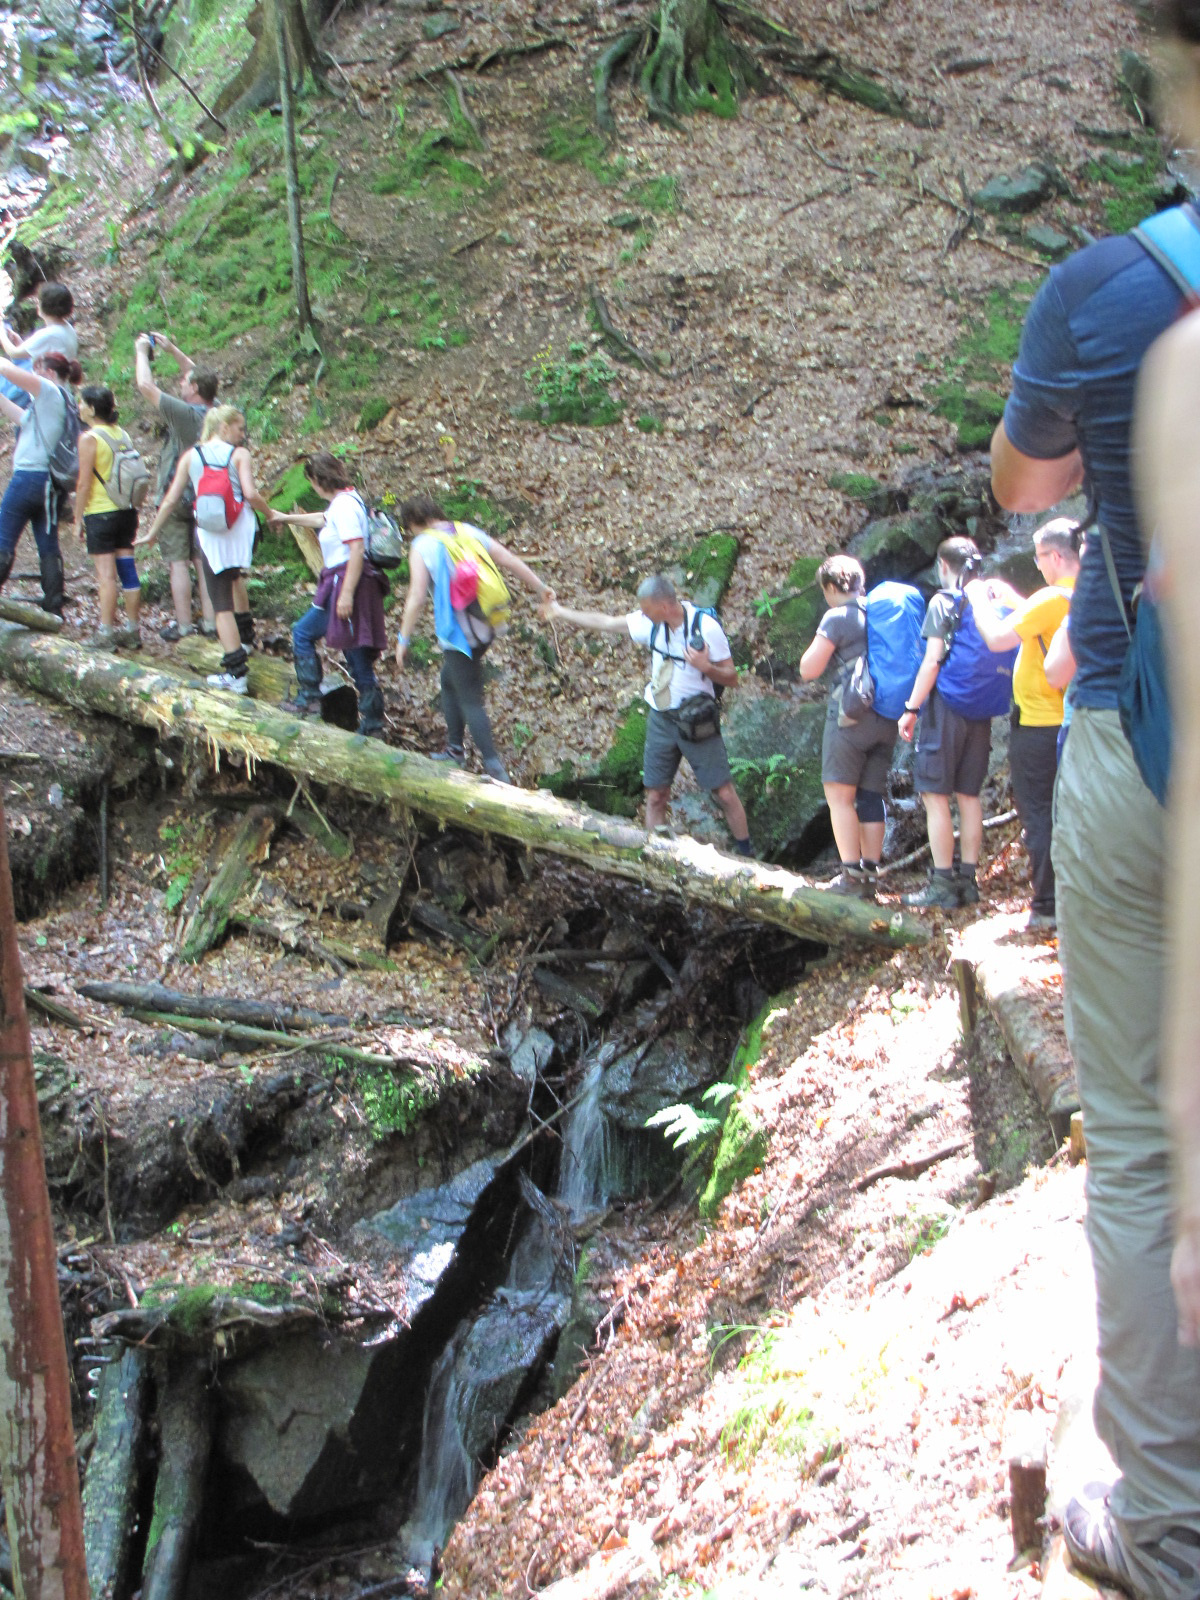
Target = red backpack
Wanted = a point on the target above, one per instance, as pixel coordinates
(218, 495)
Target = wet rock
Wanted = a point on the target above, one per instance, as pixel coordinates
(1049, 241)
(774, 749)
(676, 1068)
(502, 1349)
(423, 1232)
(530, 1053)
(1017, 192)
(1135, 81)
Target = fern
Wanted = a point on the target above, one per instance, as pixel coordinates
(684, 1125)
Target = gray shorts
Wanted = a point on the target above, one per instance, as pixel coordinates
(952, 751)
(177, 538)
(860, 753)
(665, 747)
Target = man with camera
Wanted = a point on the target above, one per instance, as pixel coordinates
(690, 658)
(955, 738)
(184, 418)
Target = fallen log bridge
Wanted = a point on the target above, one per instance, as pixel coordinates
(256, 732)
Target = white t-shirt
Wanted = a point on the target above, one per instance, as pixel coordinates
(59, 337)
(345, 521)
(669, 656)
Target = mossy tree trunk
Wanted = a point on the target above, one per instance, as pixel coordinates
(256, 82)
(691, 64)
(304, 316)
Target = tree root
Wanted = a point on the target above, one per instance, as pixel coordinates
(615, 338)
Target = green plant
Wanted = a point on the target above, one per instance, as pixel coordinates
(656, 194)
(775, 1405)
(522, 733)
(764, 606)
(419, 653)
(767, 774)
(573, 389)
(574, 139)
(924, 1231)
(391, 1104)
(469, 502)
(181, 857)
(649, 423)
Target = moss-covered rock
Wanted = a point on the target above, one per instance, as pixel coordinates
(775, 753)
(861, 486)
(293, 492)
(1017, 192)
(706, 569)
(743, 1147)
(899, 546)
(793, 623)
(615, 784)
(372, 413)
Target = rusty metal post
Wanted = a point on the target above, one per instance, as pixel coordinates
(37, 1441)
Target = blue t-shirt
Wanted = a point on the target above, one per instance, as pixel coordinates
(1084, 338)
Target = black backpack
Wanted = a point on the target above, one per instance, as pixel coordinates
(695, 637)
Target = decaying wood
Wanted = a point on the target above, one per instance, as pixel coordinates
(185, 1430)
(237, 1033)
(1025, 1451)
(290, 939)
(313, 825)
(247, 849)
(216, 1007)
(912, 1168)
(29, 616)
(254, 732)
(54, 1009)
(111, 1486)
(435, 919)
(968, 1000)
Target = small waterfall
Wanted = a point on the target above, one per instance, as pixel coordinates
(446, 1477)
(586, 1154)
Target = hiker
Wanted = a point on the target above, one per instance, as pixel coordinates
(347, 609)
(463, 629)
(56, 333)
(184, 418)
(108, 528)
(32, 497)
(689, 656)
(222, 481)
(957, 692)
(1037, 713)
(856, 752)
(1086, 333)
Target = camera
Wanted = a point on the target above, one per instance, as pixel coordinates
(153, 346)
(971, 568)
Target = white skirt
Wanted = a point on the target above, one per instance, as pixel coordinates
(234, 548)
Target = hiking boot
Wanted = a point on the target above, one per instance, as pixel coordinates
(496, 770)
(299, 705)
(171, 632)
(1092, 1540)
(942, 893)
(448, 755)
(129, 637)
(229, 682)
(1044, 920)
(370, 713)
(104, 638)
(853, 883)
(968, 890)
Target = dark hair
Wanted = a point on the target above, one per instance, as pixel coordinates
(420, 511)
(63, 368)
(326, 471)
(957, 552)
(101, 399)
(842, 573)
(1180, 18)
(206, 383)
(56, 300)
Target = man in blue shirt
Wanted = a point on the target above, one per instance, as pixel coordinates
(1067, 423)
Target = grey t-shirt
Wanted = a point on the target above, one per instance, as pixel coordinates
(39, 429)
(845, 627)
(941, 615)
(184, 423)
(53, 336)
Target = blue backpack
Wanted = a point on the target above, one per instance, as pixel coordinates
(1172, 238)
(973, 680)
(882, 678)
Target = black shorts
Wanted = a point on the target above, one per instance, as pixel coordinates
(110, 531)
(860, 753)
(952, 751)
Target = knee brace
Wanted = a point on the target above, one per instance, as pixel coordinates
(869, 805)
(127, 573)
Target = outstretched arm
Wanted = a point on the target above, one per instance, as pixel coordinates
(169, 501)
(593, 621)
(142, 374)
(418, 588)
(504, 557)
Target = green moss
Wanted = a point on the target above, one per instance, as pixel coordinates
(615, 786)
(858, 485)
(1139, 185)
(708, 568)
(977, 374)
(802, 574)
(575, 139)
(468, 502)
(656, 194)
(293, 492)
(743, 1147)
(793, 625)
(649, 423)
(428, 163)
(372, 414)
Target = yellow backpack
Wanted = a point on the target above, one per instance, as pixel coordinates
(492, 602)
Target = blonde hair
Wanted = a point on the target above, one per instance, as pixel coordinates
(215, 419)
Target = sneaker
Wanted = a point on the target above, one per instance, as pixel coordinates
(853, 883)
(968, 890)
(104, 638)
(1092, 1540)
(172, 632)
(448, 755)
(496, 770)
(129, 637)
(940, 892)
(206, 630)
(299, 706)
(226, 680)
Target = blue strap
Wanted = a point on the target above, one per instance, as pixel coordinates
(1172, 238)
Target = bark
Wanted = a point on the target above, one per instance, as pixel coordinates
(373, 770)
(29, 616)
(238, 1033)
(110, 1490)
(214, 1007)
(272, 679)
(256, 82)
(290, 166)
(248, 848)
(37, 1442)
(185, 1428)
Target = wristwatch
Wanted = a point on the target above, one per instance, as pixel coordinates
(914, 710)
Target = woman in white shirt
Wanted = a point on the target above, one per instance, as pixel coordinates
(347, 609)
(32, 498)
(220, 471)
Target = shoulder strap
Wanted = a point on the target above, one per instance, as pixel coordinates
(1111, 565)
(1172, 239)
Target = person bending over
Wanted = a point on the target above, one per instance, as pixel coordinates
(689, 655)
(463, 635)
(856, 756)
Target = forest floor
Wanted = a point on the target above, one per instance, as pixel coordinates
(810, 1392)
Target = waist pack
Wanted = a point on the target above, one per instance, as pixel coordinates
(472, 566)
(63, 456)
(218, 495)
(697, 718)
(882, 678)
(973, 680)
(128, 482)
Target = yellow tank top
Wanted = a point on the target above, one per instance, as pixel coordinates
(98, 499)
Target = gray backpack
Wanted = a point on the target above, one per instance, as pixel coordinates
(128, 482)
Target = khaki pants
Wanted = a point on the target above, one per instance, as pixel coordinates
(1108, 858)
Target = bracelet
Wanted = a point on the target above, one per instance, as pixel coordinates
(912, 710)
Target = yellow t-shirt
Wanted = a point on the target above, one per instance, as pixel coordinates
(99, 500)
(1039, 618)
